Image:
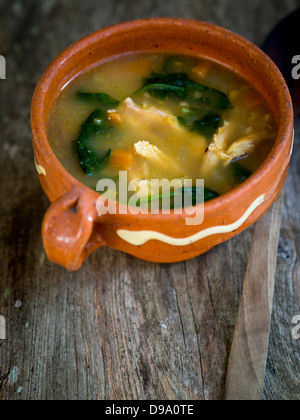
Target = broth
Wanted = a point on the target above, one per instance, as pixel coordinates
(159, 116)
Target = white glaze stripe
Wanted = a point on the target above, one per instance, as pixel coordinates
(293, 141)
(40, 169)
(139, 238)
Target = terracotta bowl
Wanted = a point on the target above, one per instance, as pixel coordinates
(72, 228)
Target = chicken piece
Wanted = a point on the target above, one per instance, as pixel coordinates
(155, 129)
(158, 122)
(129, 104)
(216, 150)
(245, 146)
(145, 149)
(145, 188)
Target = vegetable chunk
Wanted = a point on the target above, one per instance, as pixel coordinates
(121, 159)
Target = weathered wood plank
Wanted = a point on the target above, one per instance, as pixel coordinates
(122, 328)
(248, 356)
(283, 372)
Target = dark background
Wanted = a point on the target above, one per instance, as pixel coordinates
(121, 328)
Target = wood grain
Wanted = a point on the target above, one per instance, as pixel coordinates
(122, 328)
(248, 357)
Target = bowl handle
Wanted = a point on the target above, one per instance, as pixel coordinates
(68, 234)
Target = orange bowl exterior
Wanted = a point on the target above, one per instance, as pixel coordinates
(72, 228)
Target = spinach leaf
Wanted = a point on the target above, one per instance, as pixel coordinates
(194, 93)
(159, 197)
(176, 79)
(163, 91)
(96, 124)
(102, 99)
(201, 113)
(208, 195)
(241, 173)
(206, 126)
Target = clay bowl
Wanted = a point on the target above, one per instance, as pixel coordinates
(72, 228)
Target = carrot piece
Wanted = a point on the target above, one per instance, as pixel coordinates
(115, 117)
(252, 99)
(121, 159)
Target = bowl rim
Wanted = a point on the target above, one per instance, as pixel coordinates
(285, 127)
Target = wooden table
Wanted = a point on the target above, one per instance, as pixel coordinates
(121, 328)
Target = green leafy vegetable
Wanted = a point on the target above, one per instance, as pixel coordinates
(194, 93)
(163, 91)
(206, 126)
(176, 79)
(241, 173)
(96, 124)
(208, 195)
(159, 197)
(102, 99)
(201, 112)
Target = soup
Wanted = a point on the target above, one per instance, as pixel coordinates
(159, 116)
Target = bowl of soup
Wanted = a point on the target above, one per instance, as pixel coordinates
(161, 138)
